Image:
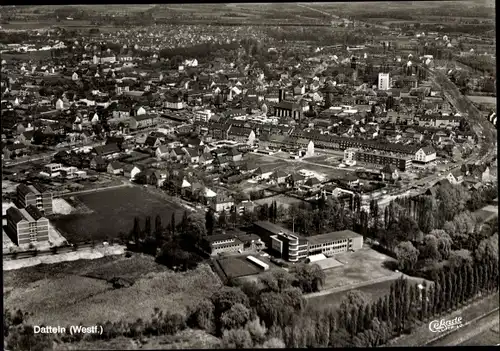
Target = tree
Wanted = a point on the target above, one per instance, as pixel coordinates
(407, 256)
(210, 221)
(202, 316)
(277, 281)
(222, 222)
(273, 343)
(236, 317)
(487, 249)
(158, 230)
(309, 278)
(147, 226)
(459, 258)
(136, 231)
(173, 225)
(430, 249)
(444, 242)
(237, 339)
(224, 299)
(257, 331)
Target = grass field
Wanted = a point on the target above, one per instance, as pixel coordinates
(284, 200)
(483, 99)
(65, 293)
(358, 267)
(235, 267)
(114, 212)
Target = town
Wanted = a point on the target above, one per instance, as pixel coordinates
(299, 175)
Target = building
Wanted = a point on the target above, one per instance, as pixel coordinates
(425, 155)
(222, 243)
(402, 161)
(202, 115)
(52, 170)
(288, 109)
(26, 226)
(221, 202)
(383, 81)
(35, 195)
(142, 121)
(334, 242)
(292, 247)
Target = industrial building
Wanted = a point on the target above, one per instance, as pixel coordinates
(28, 225)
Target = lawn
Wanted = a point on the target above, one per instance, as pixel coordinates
(372, 292)
(483, 99)
(284, 200)
(66, 293)
(114, 212)
(358, 267)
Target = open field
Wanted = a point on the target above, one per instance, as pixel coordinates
(358, 267)
(114, 212)
(483, 99)
(372, 291)
(284, 200)
(235, 267)
(78, 291)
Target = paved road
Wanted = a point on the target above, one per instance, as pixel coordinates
(469, 333)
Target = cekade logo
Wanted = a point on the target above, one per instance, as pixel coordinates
(444, 325)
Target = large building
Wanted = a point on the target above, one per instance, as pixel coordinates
(402, 161)
(35, 195)
(383, 81)
(27, 225)
(292, 247)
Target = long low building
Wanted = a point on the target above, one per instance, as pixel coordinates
(293, 247)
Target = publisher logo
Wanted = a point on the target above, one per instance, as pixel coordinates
(439, 326)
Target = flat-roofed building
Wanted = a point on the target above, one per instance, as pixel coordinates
(221, 243)
(291, 247)
(334, 242)
(35, 195)
(27, 225)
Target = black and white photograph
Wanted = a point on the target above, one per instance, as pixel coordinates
(249, 175)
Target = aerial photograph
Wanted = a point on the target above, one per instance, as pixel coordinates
(249, 175)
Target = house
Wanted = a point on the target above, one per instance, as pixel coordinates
(295, 180)
(98, 163)
(142, 121)
(263, 172)
(279, 177)
(176, 154)
(234, 154)
(221, 202)
(389, 172)
(312, 184)
(425, 155)
(206, 159)
(192, 155)
(130, 171)
(455, 177)
(158, 178)
(107, 151)
(162, 152)
(152, 142)
(222, 243)
(26, 137)
(121, 114)
(242, 135)
(115, 167)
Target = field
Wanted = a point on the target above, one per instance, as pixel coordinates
(78, 291)
(372, 292)
(284, 200)
(235, 267)
(114, 212)
(358, 267)
(483, 99)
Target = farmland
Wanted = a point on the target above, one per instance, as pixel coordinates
(113, 213)
(79, 291)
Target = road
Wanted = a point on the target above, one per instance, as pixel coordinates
(481, 126)
(469, 334)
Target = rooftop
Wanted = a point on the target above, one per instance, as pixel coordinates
(328, 237)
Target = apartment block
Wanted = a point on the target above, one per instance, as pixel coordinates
(27, 225)
(35, 195)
